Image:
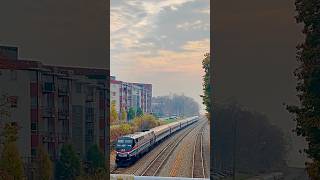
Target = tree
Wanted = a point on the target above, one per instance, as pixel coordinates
(98, 175)
(260, 146)
(68, 165)
(96, 159)
(307, 114)
(145, 122)
(4, 105)
(206, 84)
(44, 164)
(131, 113)
(5, 176)
(114, 113)
(10, 161)
(175, 104)
(123, 115)
(139, 112)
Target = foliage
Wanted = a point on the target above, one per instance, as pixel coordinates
(139, 112)
(114, 113)
(131, 113)
(68, 165)
(45, 164)
(179, 105)
(5, 176)
(145, 122)
(168, 121)
(307, 114)
(260, 146)
(4, 105)
(123, 115)
(10, 133)
(120, 130)
(96, 159)
(10, 162)
(206, 84)
(98, 175)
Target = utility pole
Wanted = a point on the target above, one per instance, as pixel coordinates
(234, 143)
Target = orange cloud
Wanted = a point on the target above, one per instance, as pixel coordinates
(187, 61)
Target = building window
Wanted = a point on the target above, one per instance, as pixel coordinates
(34, 103)
(33, 152)
(15, 124)
(78, 87)
(33, 76)
(48, 87)
(13, 75)
(33, 126)
(13, 100)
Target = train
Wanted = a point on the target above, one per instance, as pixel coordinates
(131, 147)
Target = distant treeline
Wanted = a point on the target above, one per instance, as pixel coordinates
(260, 146)
(179, 105)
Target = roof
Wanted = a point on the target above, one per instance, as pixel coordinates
(30, 65)
(19, 64)
(137, 134)
(112, 81)
(81, 70)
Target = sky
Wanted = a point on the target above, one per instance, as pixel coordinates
(69, 33)
(254, 59)
(161, 43)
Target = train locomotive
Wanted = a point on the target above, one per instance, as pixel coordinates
(130, 148)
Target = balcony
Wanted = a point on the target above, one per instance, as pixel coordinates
(63, 92)
(63, 114)
(90, 98)
(62, 137)
(47, 87)
(49, 137)
(48, 112)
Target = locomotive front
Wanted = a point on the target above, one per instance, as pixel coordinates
(125, 148)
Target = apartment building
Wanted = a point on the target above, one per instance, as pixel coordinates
(130, 95)
(115, 93)
(54, 105)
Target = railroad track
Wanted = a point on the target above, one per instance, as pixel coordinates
(157, 162)
(198, 167)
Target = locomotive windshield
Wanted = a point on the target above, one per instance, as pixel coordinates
(124, 143)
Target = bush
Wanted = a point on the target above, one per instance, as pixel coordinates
(68, 166)
(10, 161)
(120, 130)
(96, 159)
(145, 122)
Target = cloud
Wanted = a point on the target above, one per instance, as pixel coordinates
(151, 41)
(155, 6)
(198, 24)
(132, 20)
(201, 45)
(188, 61)
(203, 10)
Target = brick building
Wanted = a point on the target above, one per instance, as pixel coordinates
(130, 95)
(53, 105)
